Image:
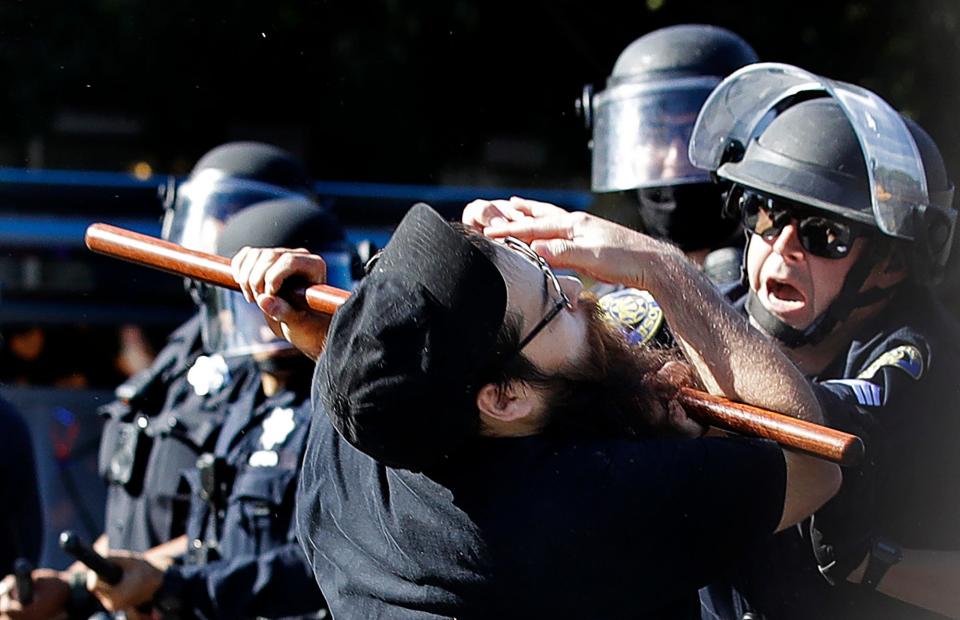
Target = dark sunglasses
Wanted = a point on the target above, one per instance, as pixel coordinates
(767, 216)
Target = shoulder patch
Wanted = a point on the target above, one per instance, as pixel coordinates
(906, 357)
(633, 311)
(867, 394)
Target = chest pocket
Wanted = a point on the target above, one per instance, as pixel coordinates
(259, 510)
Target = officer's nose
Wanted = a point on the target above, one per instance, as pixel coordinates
(674, 157)
(787, 244)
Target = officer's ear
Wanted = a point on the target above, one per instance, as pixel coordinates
(508, 407)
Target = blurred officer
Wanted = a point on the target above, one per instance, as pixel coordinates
(849, 215)
(167, 415)
(641, 128)
(22, 532)
(243, 559)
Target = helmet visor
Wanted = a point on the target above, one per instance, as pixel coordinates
(642, 131)
(746, 101)
(206, 201)
(232, 327)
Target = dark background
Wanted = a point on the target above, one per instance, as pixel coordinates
(445, 92)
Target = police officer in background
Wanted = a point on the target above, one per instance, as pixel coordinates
(849, 217)
(641, 126)
(243, 559)
(22, 532)
(167, 415)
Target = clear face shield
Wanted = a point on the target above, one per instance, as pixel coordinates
(232, 327)
(741, 106)
(206, 201)
(641, 133)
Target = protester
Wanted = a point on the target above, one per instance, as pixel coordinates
(470, 455)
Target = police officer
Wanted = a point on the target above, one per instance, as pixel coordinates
(165, 416)
(849, 219)
(22, 533)
(243, 559)
(641, 128)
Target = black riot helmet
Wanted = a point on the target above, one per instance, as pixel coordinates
(782, 134)
(642, 123)
(232, 327)
(226, 180)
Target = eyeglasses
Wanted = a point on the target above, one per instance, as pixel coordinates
(561, 302)
(767, 216)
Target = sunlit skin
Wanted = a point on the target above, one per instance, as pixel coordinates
(794, 285)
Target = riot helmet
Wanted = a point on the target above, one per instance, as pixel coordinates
(226, 180)
(782, 135)
(232, 327)
(642, 122)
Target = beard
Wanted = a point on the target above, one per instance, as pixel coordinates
(615, 392)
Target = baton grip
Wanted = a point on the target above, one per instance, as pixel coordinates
(104, 568)
(22, 570)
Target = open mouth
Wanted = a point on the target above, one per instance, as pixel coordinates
(784, 297)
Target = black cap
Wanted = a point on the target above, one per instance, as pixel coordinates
(405, 355)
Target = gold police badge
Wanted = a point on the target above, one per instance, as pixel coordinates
(633, 311)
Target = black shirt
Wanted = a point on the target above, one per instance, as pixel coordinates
(533, 527)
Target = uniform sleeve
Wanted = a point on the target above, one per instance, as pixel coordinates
(273, 584)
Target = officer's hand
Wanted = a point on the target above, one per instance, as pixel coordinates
(261, 272)
(141, 580)
(586, 243)
(51, 590)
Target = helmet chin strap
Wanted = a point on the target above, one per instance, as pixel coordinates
(849, 299)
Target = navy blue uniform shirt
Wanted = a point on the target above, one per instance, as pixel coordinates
(148, 440)
(22, 517)
(896, 385)
(257, 567)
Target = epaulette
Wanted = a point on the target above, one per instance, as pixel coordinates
(906, 357)
(633, 311)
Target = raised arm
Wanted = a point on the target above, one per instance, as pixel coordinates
(732, 358)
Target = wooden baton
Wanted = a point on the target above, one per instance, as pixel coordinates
(813, 439)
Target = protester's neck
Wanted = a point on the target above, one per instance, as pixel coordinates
(524, 427)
